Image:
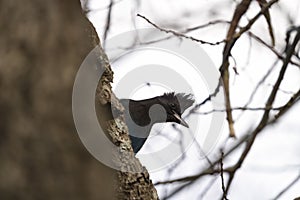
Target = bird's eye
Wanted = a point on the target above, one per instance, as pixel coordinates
(172, 105)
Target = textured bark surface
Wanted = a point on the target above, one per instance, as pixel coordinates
(42, 46)
(130, 185)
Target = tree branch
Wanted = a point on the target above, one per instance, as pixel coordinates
(177, 34)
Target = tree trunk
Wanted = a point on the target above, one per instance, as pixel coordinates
(42, 46)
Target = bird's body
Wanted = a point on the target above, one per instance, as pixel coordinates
(141, 115)
(138, 122)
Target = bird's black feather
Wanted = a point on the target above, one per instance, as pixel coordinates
(137, 114)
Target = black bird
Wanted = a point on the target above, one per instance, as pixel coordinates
(141, 115)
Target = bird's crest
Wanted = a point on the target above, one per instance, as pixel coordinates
(185, 100)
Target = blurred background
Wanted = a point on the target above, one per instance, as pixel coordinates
(274, 160)
(42, 47)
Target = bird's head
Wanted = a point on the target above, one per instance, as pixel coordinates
(175, 105)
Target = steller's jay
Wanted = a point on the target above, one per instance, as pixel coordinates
(141, 115)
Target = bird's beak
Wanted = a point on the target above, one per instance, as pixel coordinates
(182, 122)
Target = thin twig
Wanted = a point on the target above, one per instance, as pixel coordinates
(208, 186)
(218, 21)
(264, 120)
(239, 108)
(217, 89)
(108, 21)
(288, 105)
(255, 18)
(190, 178)
(248, 138)
(267, 15)
(222, 177)
(279, 55)
(87, 11)
(177, 34)
(230, 41)
(287, 187)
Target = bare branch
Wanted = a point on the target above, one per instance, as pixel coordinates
(264, 120)
(287, 106)
(248, 138)
(177, 34)
(279, 55)
(222, 177)
(288, 187)
(230, 41)
(108, 21)
(267, 15)
(255, 18)
(240, 108)
(219, 21)
(217, 89)
(190, 178)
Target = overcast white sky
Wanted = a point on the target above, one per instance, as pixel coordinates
(274, 160)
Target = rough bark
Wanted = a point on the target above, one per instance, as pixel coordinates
(42, 46)
(130, 185)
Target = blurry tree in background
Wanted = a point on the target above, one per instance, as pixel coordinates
(43, 44)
